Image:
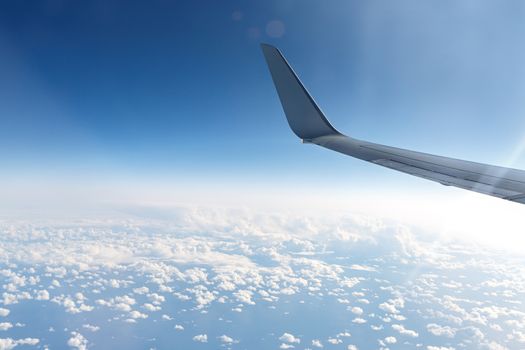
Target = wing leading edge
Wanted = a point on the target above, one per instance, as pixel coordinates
(308, 122)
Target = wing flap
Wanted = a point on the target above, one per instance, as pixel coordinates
(447, 180)
(489, 175)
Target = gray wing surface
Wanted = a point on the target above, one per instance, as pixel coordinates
(308, 122)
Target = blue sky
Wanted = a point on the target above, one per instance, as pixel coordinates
(179, 91)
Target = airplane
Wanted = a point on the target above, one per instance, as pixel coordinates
(308, 122)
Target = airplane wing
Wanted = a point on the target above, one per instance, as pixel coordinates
(308, 122)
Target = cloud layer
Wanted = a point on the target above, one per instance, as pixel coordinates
(201, 275)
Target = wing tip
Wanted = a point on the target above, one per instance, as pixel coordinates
(268, 49)
(305, 118)
(266, 45)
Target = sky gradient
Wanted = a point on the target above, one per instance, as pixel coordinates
(119, 95)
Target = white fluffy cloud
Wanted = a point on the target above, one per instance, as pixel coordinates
(201, 338)
(317, 343)
(334, 341)
(359, 320)
(10, 343)
(151, 307)
(402, 330)
(90, 327)
(357, 310)
(289, 338)
(390, 340)
(244, 296)
(393, 305)
(77, 341)
(438, 330)
(42, 295)
(4, 326)
(226, 340)
(137, 314)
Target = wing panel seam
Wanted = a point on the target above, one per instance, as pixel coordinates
(450, 176)
(454, 168)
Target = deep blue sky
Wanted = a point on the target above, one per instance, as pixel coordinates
(176, 89)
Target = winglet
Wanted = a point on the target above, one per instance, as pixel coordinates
(304, 116)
